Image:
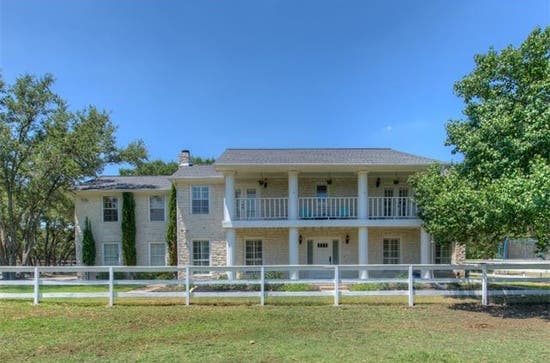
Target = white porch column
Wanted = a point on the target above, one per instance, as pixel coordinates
(362, 195)
(363, 252)
(230, 250)
(293, 250)
(425, 252)
(293, 194)
(229, 200)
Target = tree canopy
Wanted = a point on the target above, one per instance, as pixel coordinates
(502, 188)
(44, 150)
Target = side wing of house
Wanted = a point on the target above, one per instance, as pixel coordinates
(101, 202)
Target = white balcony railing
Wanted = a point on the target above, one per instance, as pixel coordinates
(324, 208)
(261, 208)
(330, 207)
(391, 208)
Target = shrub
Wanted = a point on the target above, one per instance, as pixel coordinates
(128, 229)
(155, 275)
(369, 287)
(171, 229)
(88, 244)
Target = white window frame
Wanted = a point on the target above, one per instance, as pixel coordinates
(400, 257)
(192, 252)
(449, 246)
(244, 250)
(164, 207)
(150, 255)
(103, 208)
(191, 198)
(119, 244)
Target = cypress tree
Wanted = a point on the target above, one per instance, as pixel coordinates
(129, 229)
(171, 230)
(88, 244)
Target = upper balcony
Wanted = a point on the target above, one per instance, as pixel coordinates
(319, 208)
(319, 199)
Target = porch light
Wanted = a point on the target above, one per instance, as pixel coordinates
(300, 239)
(378, 182)
(347, 239)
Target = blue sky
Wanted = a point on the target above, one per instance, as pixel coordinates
(207, 75)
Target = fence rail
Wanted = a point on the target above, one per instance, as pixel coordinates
(259, 280)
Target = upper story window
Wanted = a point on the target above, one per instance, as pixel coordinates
(110, 209)
(200, 199)
(156, 208)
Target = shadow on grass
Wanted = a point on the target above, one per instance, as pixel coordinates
(509, 310)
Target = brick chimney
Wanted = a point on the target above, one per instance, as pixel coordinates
(185, 158)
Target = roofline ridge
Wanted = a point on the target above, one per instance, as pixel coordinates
(311, 148)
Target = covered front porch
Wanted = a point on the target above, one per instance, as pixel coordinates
(328, 246)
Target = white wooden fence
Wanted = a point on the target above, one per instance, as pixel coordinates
(335, 276)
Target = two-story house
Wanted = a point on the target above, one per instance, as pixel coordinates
(271, 207)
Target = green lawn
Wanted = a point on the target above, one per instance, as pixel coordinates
(287, 330)
(65, 288)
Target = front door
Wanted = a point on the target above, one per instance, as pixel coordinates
(322, 253)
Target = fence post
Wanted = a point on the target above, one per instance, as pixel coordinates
(336, 285)
(262, 286)
(111, 287)
(484, 292)
(187, 292)
(36, 286)
(411, 286)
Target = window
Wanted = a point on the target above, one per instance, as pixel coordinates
(201, 253)
(110, 209)
(253, 252)
(200, 199)
(156, 208)
(111, 254)
(391, 251)
(442, 253)
(157, 254)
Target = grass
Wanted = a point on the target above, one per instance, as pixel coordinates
(287, 330)
(65, 288)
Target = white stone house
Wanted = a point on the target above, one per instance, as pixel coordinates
(271, 207)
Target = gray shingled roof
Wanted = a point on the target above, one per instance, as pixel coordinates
(370, 156)
(126, 183)
(197, 171)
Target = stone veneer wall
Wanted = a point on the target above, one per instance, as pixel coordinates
(201, 226)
